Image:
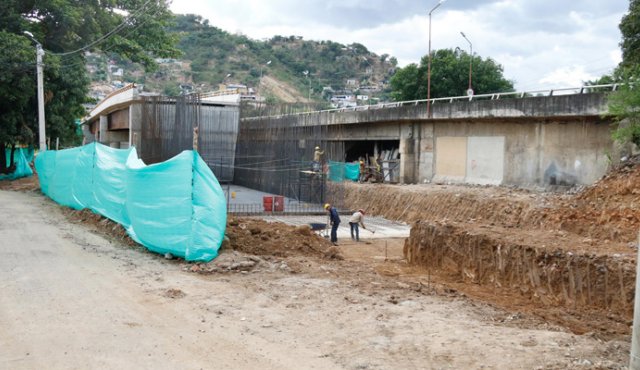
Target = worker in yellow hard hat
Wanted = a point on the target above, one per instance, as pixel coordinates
(334, 220)
(317, 159)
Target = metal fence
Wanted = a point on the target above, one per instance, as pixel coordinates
(289, 209)
(167, 126)
(276, 156)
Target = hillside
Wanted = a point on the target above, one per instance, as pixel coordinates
(273, 68)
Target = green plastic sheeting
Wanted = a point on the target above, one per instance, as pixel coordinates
(175, 207)
(340, 171)
(21, 157)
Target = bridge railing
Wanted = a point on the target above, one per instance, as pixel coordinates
(492, 96)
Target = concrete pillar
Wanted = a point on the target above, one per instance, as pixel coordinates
(426, 162)
(88, 136)
(407, 160)
(103, 128)
(407, 154)
(135, 125)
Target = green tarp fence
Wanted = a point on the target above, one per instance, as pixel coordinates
(21, 158)
(340, 171)
(176, 206)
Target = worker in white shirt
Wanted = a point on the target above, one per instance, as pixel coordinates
(356, 219)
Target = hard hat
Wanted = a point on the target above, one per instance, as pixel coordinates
(317, 148)
(327, 205)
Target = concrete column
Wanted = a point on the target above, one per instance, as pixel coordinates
(407, 157)
(426, 163)
(135, 125)
(88, 136)
(104, 127)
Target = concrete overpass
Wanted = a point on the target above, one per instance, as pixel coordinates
(510, 139)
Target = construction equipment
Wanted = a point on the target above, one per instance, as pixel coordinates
(321, 228)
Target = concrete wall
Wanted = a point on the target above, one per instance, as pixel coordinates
(537, 141)
(485, 160)
(575, 105)
(451, 159)
(524, 153)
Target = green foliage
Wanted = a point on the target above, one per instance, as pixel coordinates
(449, 76)
(630, 29)
(406, 83)
(624, 104)
(624, 107)
(66, 29)
(17, 87)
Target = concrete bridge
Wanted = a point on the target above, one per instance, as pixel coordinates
(510, 139)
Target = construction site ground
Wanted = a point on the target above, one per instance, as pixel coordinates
(78, 293)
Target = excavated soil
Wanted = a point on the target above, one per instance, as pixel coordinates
(262, 238)
(569, 258)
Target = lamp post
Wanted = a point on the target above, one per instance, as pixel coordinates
(42, 141)
(470, 90)
(306, 75)
(262, 67)
(429, 63)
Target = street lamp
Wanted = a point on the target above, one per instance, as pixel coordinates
(470, 90)
(429, 63)
(261, 67)
(306, 75)
(41, 129)
(370, 66)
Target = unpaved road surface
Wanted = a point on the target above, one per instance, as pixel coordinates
(72, 299)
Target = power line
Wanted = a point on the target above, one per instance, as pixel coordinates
(108, 34)
(131, 30)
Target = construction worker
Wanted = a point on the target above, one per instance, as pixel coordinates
(356, 219)
(317, 159)
(334, 220)
(363, 170)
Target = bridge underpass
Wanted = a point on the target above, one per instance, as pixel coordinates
(537, 141)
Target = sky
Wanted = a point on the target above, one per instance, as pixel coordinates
(541, 44)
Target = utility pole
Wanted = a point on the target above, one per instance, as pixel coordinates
(41, 128)
(261, 68)
(306, 75)
(470, 90)
(429, 62)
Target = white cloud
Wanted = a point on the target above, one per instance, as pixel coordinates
(567, 76)
(541, 44)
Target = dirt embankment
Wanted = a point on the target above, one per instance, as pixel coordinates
(492, 261)
(570, 252)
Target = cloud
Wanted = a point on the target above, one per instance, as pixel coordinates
(537, 42)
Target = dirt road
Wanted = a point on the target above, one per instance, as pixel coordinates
(73, 299)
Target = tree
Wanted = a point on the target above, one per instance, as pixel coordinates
(133, 29)
(449, 76)
(630, 29)
(624, 104)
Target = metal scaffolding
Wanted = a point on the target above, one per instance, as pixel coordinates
(276, 155)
